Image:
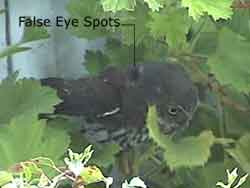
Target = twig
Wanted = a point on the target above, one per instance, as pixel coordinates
(241, 5)
(219, 89)
(196, 35)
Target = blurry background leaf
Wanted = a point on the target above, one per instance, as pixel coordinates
(27, 137)
(240, 22)
(81, 8)
(95, 62)
(2, 11)
(31, 34)
(205, 33)
(171, 24)
(25, 97)
(105, 156)
(236, 122)
(230, 63)
(139, 17)
(117, 53)
(11, 50)
(116, 5)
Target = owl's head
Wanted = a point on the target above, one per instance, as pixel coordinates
(175, 115)
(170, 88)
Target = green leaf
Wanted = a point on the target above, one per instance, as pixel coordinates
(153, 50)
(117, 5)
(139, 18)
(207, 176)
(95, 62)
(190, 151)
(187, 152)
(154, 131)
(207, 43)
(2, 11)
(25, 97)
(154, 5)
(240, 22)
(237, 122)
(26, 137)
(10, 50)
(205, 118)
(173, 24)
(204, 36)
(217, 9)
(79, 9)
(118, 53)
(241, 152)
(31, 34)
(106, 156)
(230, 63)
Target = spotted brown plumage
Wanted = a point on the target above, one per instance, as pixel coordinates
(114, 103)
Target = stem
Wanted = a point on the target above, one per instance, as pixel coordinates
(197, 34)
(225, 100)
(8, 35)
(221, 116)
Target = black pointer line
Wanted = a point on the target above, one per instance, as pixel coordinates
(132, 25)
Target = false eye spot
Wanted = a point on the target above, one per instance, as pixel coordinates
(172, 110)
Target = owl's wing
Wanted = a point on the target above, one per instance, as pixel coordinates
(89, 97)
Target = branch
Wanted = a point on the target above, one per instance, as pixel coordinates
(8, 35)
(241, 5)
(216, 87)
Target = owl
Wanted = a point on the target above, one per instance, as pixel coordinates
(114, 104)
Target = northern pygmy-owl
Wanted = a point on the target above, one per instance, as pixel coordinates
(115, 102)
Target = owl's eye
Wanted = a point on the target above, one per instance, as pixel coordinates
(172, 110)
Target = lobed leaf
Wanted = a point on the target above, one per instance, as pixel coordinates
(25, 97)
(81, 8)
(190, 151)
(154, 5)
(26, 137)
(216, 9)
